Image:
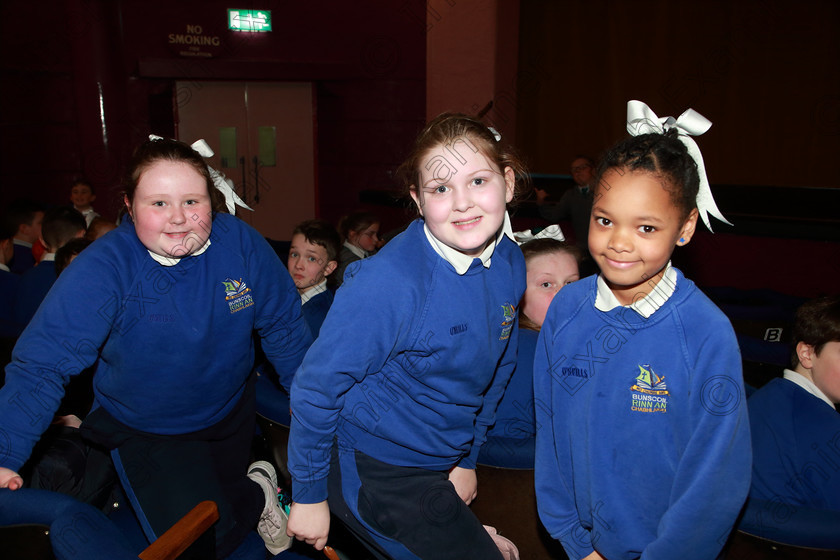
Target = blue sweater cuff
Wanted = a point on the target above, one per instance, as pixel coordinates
(312, 492)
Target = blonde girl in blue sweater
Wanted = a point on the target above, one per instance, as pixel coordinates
(387, 423)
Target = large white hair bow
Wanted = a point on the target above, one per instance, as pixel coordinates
(222, 183)
(642, 120)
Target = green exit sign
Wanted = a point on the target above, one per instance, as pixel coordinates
(249, 20)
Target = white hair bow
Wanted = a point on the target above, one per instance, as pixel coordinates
(222, 183)
(642, 120)
(549, 232)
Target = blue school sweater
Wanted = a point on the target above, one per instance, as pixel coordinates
(22, 260)
(315, 311)
(796, 447)
(643, 444)
(410, 363)
(35, 283)
(9, 284)
(510, 441)
(173, 345)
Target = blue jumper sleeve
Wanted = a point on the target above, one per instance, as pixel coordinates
(553, 475)
(56, 345)
(713, 476)
(279, 320)
(356, 339)
(487, 414)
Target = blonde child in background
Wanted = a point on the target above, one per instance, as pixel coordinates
(551, 264)
(643, 443)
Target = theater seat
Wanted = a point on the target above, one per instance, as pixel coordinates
(773, 530)
(39, 524)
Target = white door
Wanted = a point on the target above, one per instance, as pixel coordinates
(263, 138)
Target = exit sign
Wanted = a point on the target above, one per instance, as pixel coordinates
(249, 20)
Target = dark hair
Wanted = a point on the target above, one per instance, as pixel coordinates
(85, 183)
(152, 151)
(816, 323)
(660, 154)
(586, 158)
(98, 227)
(70, 249)
(60, 225)
(535, 248)
(451, 129)
(321, 232)
(22, 211)
(357, 221)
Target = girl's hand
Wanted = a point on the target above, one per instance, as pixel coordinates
(310, 523)
(593, 556)
(465, 483)
(10, 479)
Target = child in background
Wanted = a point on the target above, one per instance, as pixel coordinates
(360, 231)
(9, 282)
(82, 195)
(312, 261)
(643, 440)
(60, 225)
(793, 420)
(99, 227)
(166, 307)
(68, 253)
(313, 257)
(26, 217)
(393, 400)
(551, 264)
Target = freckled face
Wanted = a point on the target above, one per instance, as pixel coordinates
(463, 204)
(547, 274)
(634, 229)
(171, 209)
(308, 263)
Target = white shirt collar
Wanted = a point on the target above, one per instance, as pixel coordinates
(808, 385)
(358, 251)
(313, 291)
(172, 261)
(605, 299)
(4, 267)
(22, 243)
(46, 257)
(459, 260)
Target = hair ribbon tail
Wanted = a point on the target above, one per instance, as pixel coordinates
(642, 120)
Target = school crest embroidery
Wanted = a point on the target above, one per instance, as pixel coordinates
(509, 312)
(237, 294)
(649, 392)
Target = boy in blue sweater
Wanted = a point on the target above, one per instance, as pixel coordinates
(9, 282)
(642, 436)
(313, 258)
(60, 225)
(166, 308)
(393, 400)
(795, 426)
(26, 217)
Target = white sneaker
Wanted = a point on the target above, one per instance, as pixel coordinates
(273, 520)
